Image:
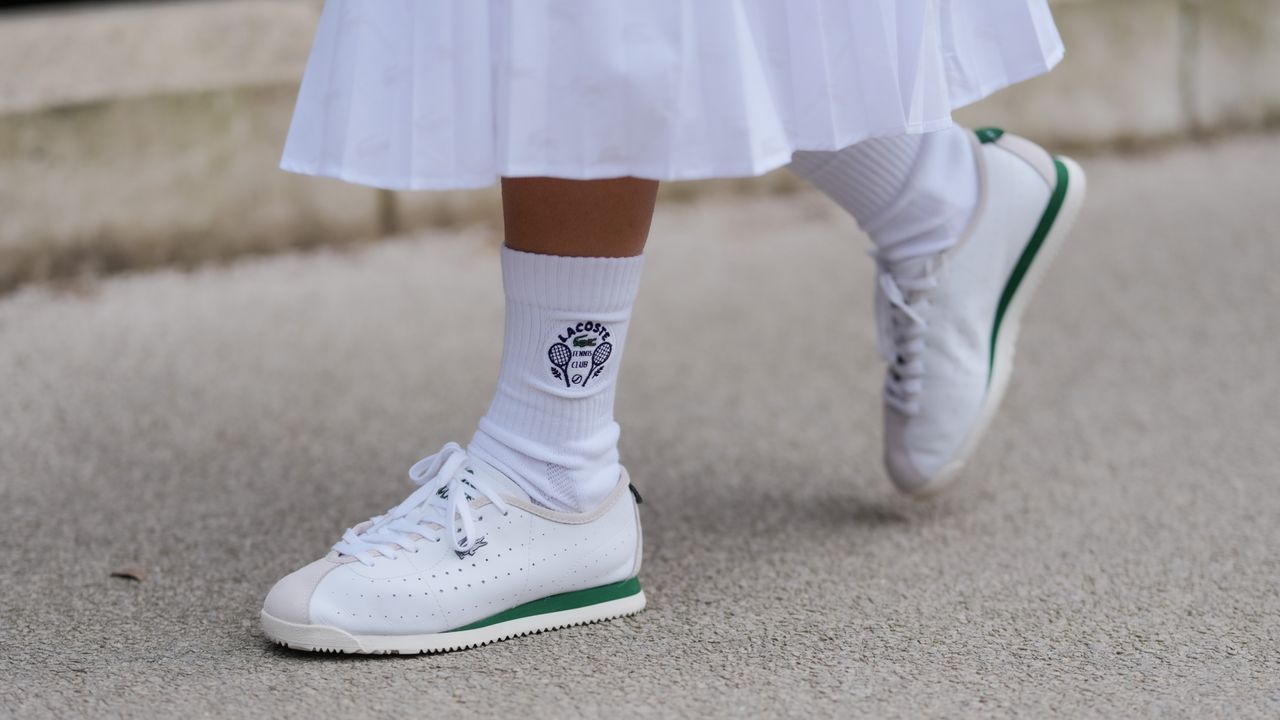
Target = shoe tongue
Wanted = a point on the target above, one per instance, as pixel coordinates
(495, 478)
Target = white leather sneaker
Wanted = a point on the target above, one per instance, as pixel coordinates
(465, 560)
(948, 323)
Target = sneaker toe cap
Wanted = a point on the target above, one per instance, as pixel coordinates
(290, 598)
(918, 465)
(910, 477)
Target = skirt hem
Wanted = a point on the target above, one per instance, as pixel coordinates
(752, 167)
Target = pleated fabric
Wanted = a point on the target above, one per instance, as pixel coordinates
(442, 94)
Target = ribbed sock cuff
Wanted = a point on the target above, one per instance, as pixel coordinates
(865, 179)
(554, 282)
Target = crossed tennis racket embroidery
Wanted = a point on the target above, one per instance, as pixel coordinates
(561, 355)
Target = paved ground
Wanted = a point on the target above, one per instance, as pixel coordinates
(1111, 553)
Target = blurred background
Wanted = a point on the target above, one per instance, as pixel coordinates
(137, 134)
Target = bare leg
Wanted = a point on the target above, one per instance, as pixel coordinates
(578, 218)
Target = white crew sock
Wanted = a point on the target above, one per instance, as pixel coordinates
(550, 427)
(913, 194)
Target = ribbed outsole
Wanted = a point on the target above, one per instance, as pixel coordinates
(328, 639)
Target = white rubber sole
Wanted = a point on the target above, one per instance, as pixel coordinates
(325, 638)
(1006, 342)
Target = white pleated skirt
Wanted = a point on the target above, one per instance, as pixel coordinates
(442, 94)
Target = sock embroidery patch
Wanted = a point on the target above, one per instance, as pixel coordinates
(578, 353)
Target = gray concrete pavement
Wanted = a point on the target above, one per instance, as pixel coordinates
(1112, 551)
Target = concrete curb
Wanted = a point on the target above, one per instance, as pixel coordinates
(155, 141)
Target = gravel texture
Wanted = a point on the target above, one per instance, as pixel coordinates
(1111, 551)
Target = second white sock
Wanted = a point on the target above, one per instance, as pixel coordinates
(550, 427)
(913, 194)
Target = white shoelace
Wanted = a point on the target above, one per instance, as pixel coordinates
(441, 503)
(901, 330)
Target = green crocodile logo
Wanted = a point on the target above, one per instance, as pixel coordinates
(584, 341)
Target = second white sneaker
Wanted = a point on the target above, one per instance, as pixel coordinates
(948, 323)
(465, 560)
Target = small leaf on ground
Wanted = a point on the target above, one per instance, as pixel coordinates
(130, 572)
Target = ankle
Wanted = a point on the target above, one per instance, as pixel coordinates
(572, 482)
(936, 203)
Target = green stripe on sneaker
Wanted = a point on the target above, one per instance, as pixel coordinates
(988, 134)
(563, 601)
(1028, 255)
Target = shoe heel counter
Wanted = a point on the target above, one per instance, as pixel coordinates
(1032, 154)
(639, 559)
(617, 543)
(632, 522)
